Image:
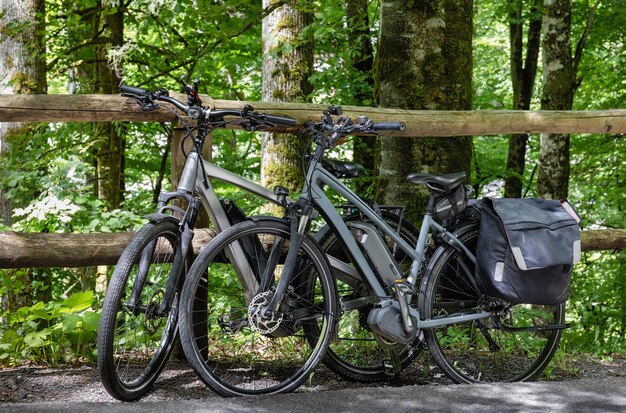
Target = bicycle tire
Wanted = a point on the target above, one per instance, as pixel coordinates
(480, 351)
(355, 354)
(243, 356)
(133, 346)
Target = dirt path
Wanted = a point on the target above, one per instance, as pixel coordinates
(178, 382)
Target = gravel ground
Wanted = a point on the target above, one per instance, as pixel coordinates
(82, 384)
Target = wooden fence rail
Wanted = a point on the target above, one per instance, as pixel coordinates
(99, 108)
(25, 250)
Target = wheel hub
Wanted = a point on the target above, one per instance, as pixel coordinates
(152, 320)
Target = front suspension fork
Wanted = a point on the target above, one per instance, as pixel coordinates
(183, 243)
(299, 227)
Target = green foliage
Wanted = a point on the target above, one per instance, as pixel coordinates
(48, 174)
(56, 332)
(596, 307)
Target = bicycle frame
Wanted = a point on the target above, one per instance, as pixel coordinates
(193, 180)
(318, 177)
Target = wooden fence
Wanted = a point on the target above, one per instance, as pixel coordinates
(76, 250)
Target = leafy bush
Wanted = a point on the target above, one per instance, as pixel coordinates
(56, 332)
(596, 307)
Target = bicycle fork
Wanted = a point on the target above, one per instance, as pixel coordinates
(176, 275)
(299, 228)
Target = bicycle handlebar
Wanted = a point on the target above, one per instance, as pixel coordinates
(399, 126)
(146, 99)
(280, 120)
(133, 91)
(329, 131)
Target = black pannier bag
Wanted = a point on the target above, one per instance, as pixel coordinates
(526, 249)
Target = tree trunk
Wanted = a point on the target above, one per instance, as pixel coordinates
(287, 65)
(360, 41)
(22, 65)
(111, 144)
(558, 93)
(424, 62)
(523, 80)
(559, 87)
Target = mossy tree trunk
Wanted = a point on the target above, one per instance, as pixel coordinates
(110, 150)
(523, 73)
(287, 65)
(360, 42)
(424, 62)
(101, 31)
(22, 65)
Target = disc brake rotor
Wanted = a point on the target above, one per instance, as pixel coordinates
(257, 318)
(153, 321)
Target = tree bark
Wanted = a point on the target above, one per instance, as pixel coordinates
(22, 65)
(424, 62)
(287, 65)
(559, 82)
(523, 79)
(22, 71)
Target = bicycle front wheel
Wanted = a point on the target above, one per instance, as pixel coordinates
(234, 345)
(135, 336)
(516, 344)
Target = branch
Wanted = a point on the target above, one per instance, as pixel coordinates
(583, 38)
(93, 41)
(205, 48)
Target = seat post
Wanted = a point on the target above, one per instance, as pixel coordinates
(430, 207)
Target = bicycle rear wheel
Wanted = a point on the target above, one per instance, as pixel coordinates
(232, 344)
(508, 347)
(135, 340)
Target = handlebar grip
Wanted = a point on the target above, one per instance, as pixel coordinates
(280, 120)
(389, 126)
(131, 90)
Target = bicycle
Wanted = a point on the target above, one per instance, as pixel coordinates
(138, 326)
(466, 332)
(139, 317)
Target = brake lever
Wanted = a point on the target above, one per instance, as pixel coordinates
(147, 104)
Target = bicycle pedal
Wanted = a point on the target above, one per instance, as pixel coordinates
(389, 369)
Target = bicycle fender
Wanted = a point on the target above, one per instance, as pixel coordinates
(441, 248)
(157, 217)
(257, 218)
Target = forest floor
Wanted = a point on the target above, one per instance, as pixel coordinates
(36, 384)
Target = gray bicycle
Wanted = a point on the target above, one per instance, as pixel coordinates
(139, 321)
(270, 338)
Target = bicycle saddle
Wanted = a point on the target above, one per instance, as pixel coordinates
(343, 169)
(446, 181)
